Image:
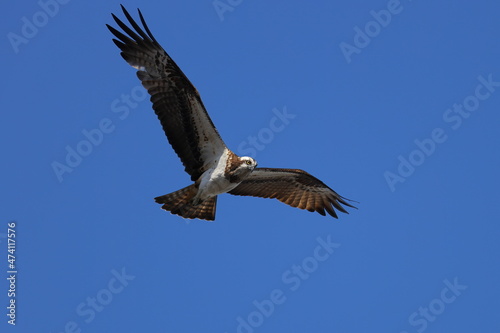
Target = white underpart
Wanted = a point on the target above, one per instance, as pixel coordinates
(213, 181)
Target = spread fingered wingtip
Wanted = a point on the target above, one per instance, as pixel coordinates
(138, 35)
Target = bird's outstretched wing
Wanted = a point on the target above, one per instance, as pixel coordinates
(294, 187)
(176, 101)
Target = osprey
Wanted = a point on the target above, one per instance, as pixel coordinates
(213, 168)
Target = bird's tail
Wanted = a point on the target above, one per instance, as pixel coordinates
(180, 203)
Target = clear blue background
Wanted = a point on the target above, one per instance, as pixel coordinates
(353, 121)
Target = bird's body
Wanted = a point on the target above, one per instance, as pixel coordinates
(217, 180)
(213, 167)
(214, 180)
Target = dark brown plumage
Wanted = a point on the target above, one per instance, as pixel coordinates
(293, 187)
(175, 100)
(178, 203)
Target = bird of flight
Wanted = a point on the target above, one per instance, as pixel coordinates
(213, 168)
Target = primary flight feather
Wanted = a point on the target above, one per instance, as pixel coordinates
(213, 167)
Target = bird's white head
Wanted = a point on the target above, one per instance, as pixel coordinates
(241, 169)
(248, 163)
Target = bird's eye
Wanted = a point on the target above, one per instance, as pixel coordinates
(249, 162)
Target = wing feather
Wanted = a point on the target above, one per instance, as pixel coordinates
(176, 101)
(293, 187)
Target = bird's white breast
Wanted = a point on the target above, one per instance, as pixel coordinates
(214, 181)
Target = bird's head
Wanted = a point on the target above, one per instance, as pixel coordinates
(242, 169)
(248, 163)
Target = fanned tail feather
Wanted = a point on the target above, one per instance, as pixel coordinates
(180, 203)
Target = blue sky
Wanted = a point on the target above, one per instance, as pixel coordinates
(393, 104)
